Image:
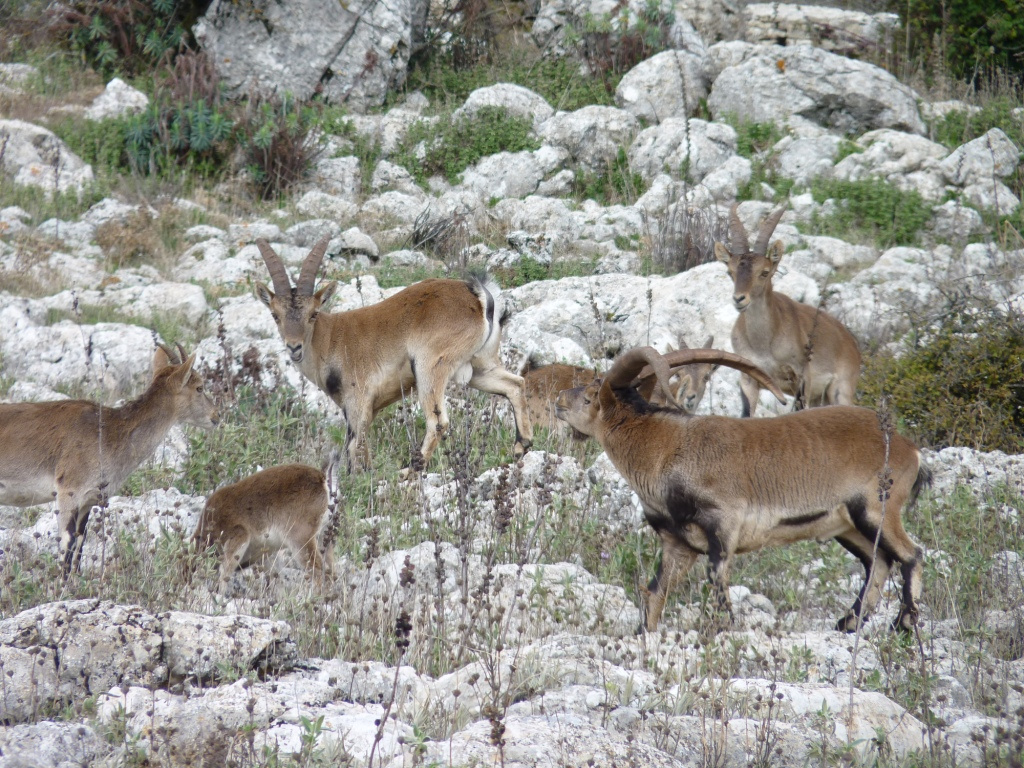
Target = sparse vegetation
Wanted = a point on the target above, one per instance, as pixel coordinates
(456, 144)
(871, 210)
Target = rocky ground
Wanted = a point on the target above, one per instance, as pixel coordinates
(485, 612)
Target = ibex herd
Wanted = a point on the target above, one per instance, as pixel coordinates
(708, 484)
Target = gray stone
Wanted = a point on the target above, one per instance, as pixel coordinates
(669, 84)
(982, 160)
(49, 744)
(323, 205)
(339, 176)
(515, 99)
(684, 148)
(298, 45)
(117, 99)
(773, 83)
(848, 33)
(592, 135)
(34, 156)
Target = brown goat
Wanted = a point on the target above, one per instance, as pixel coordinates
(423, 337)
(808, 352)
(275, 507)
(80, 452)
(721, 486)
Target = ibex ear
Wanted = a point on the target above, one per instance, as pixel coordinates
(326, 292)
(709, 342)
(775, 252)
(160, 360)
(722, 253)
(263, 293)
(180, 376)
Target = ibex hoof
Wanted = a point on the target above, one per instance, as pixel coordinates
(848, 623)
(905, 621)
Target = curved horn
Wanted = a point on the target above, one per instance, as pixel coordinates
(278, 274)
(624, 372)
(307, 277)
(738, 243)
(718, 357)
(172, 357)
(765, 233)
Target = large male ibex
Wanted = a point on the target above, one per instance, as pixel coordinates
(721, 486)
(423, 337)
(80, 452)
(808, 352)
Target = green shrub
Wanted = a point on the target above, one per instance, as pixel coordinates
(753, 138)
(101, 143)
(614, 43)
(959, 385)
(618, 184)
(128, 36)
(957, 127)
(871, 210)
(457, 144)
(969, 37)
(280, 142)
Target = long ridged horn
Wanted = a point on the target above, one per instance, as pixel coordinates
(765, 233)
(738, 243)
(172, 357)
(624, 372)
(718, 357)
(307, 277)
(278, 274)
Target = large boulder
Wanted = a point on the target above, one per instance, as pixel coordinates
(771, 83)
(516, 100)
(592, 135)
(354, 52)
(669, 84)
(687, 149)
(34, 157)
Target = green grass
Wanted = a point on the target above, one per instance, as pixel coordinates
(870, 211)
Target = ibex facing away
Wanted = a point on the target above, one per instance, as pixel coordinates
(720, 486)
(80, 452)
(807, 351)
(423, 337)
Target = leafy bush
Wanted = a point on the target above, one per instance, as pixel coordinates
(871, 210)
(962, 384)
(185, 124)
(619, 183)
(128, 36)
(463, 141)
(957, 127)
(281, 142)
(614, 43)
(101, 143)
(753, 138)
(969, 36)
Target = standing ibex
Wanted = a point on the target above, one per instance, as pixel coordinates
(807, 351)
(424, 336)
(80, 452)
(281, 506)
(720, 486)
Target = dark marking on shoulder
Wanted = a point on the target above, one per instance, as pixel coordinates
(333, 382)
(684, 507)
(803, 519)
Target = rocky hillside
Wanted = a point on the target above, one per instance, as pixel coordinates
(485, 611)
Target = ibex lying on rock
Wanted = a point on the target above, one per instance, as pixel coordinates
(719, 486)
(80, 452)
(807, 351)
(423, 337)
(276, 507)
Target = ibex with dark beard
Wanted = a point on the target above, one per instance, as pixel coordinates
(807, 351)
(423, 337)
(80, 452)
(721, 486)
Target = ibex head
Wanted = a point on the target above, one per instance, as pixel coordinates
(295, 310)
(693, 379)
(192, 403)
(751, 268)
